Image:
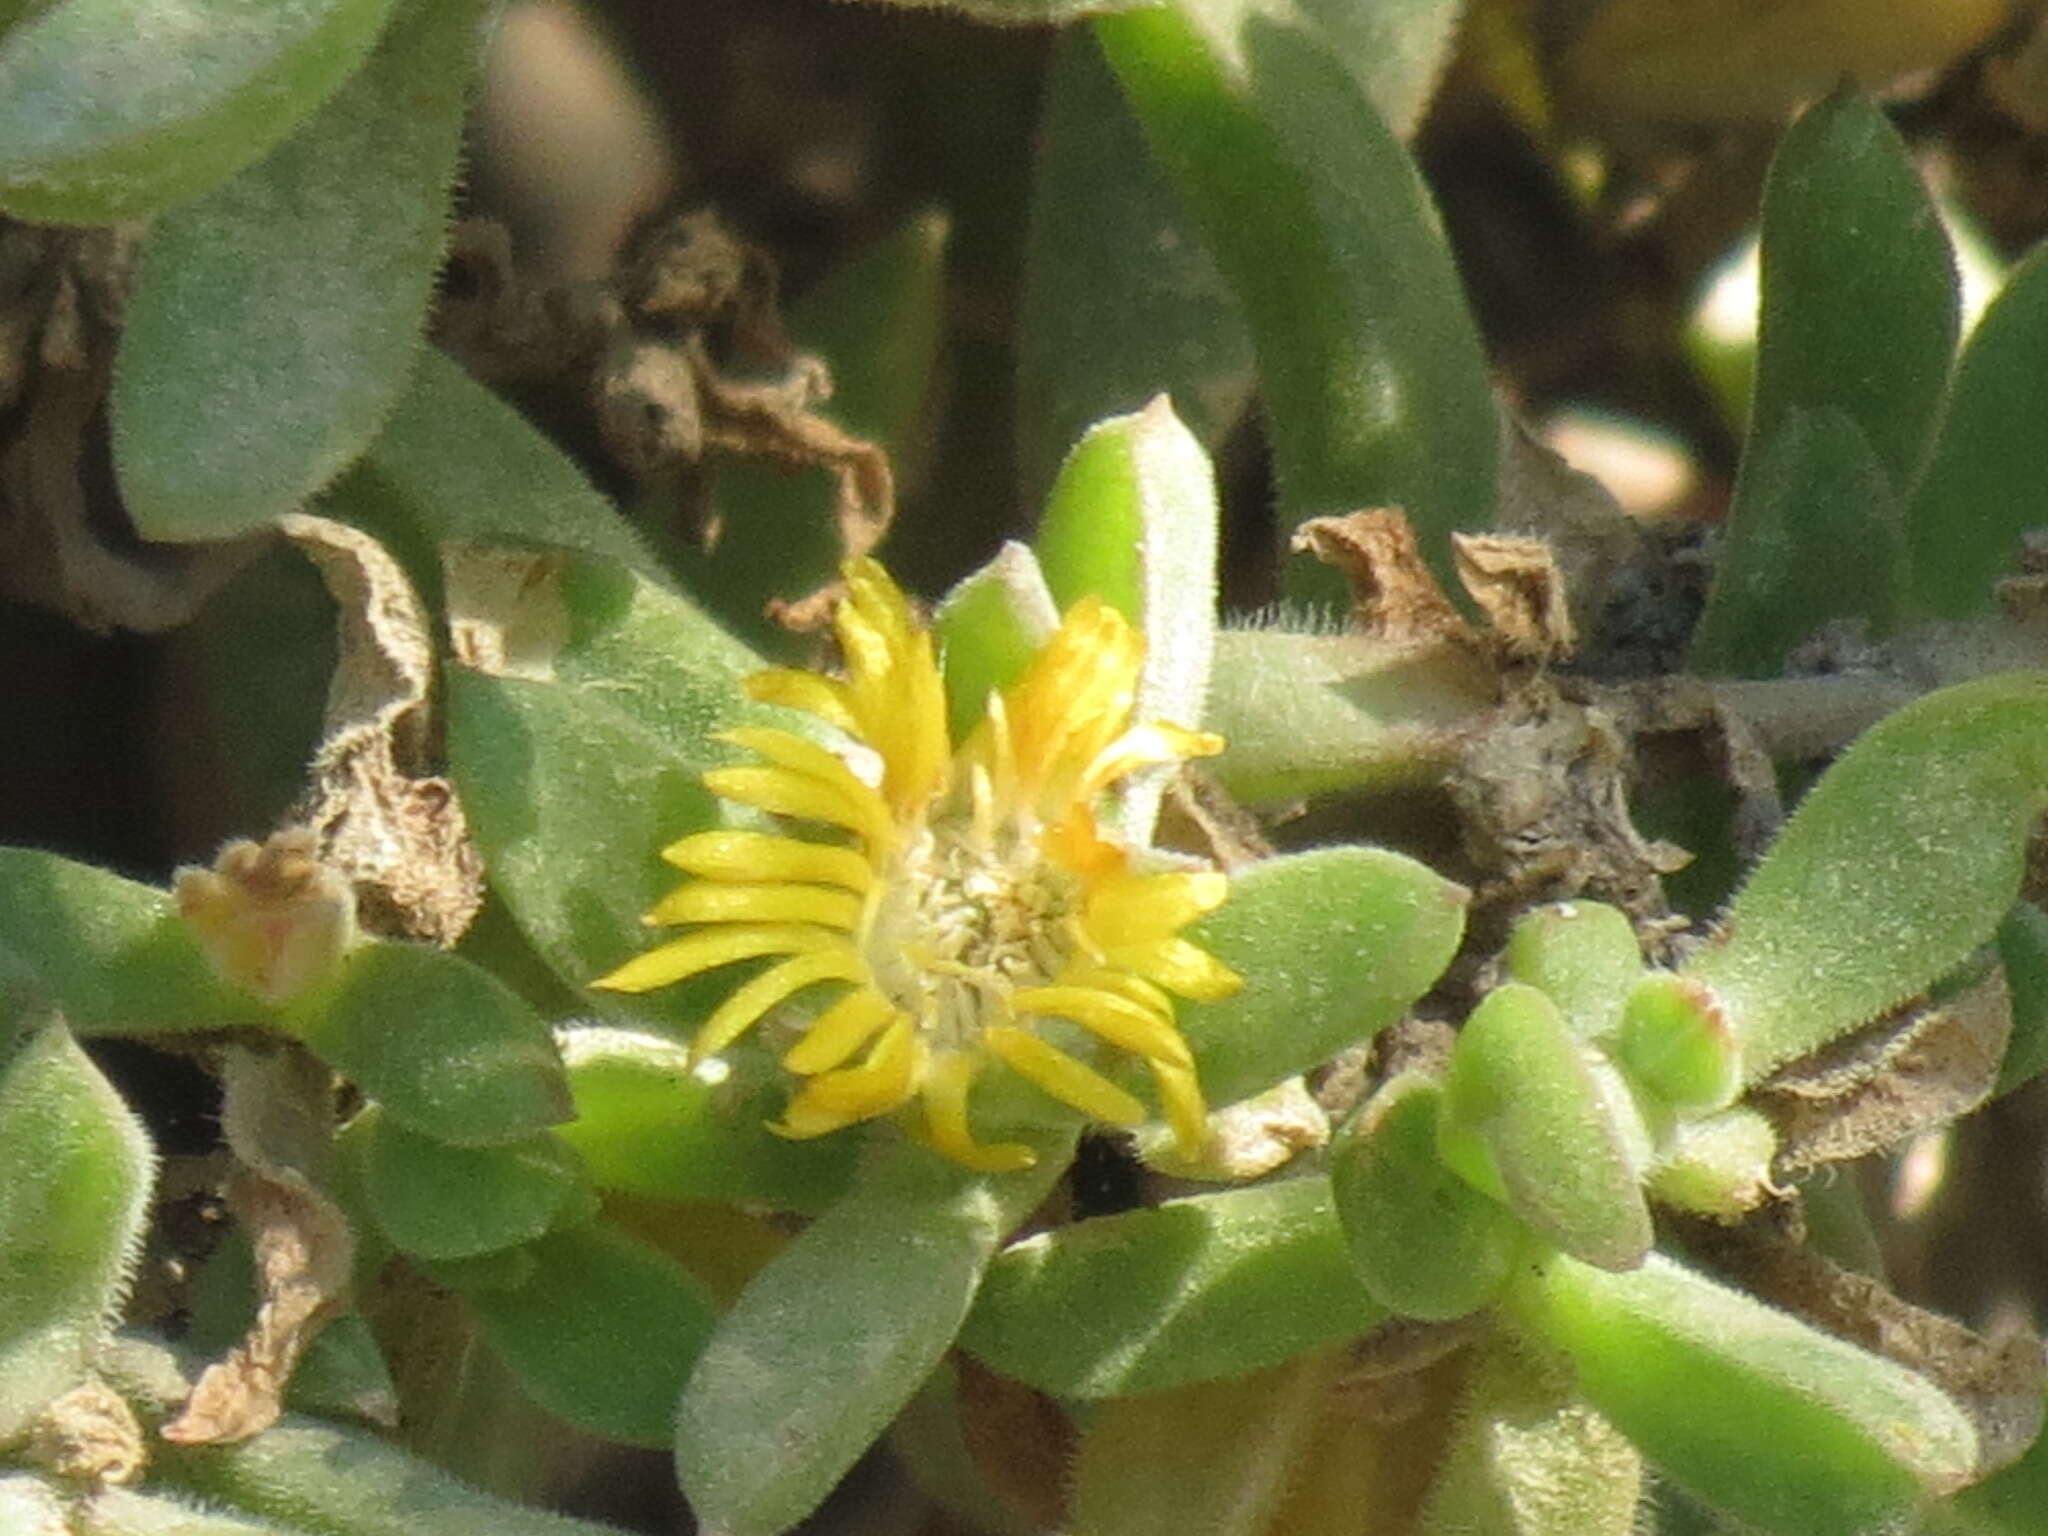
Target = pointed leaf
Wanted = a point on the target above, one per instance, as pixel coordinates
(446, 1048)
(113, 954)
(275, 319)
(988, 628)
(1194, 1289)
(830, 1340)
(1121, 300)
(604, 1333)
(1813, 535)
(1753, 1410)
(1332, 945)
(110, 109)
(72, 1211)
(1374, 384)
(447, 1202)
(1985, 480)
(1850, 231)
(1900, 862)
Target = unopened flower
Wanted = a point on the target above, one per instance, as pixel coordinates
(271, 916)
(973, 911)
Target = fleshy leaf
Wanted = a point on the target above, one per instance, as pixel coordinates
(1900, 861)
(1375, 387)
(1426, 1243)
(1333, 945)
(113, 954)
(646, 1124)
(877, 320)
(1132, 520)
(1525, 1119)
(447, 1202)
(1121, 301)
(1675, 1045)
(1751, 1409)
(275, 320)
(1584, 955)
(988, 628)
(446, 1048)
(1849, 231)
(1301, 715)
(1984, 481)
(1813, 535)
(129, 1512)
(604, 1333)
(830, 1340)
(2023, 951)
(110, 109)
(72, 1210)
(454, 462)
(1216, 1285)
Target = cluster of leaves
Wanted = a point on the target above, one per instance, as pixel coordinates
(613, 1225)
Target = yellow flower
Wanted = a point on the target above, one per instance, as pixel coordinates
(973, 903)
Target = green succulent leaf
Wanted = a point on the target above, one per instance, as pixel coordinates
(1528, 1457)
(2023, 950)
(110, 109)
(113, 954)
(1584, 955)
(1902, 860)
(1188, 1291)
(604, 1332)
(833, 1337)
(1132, 521)
(877, 321)
(1121, 300)
(1777, 1423)
(988, 628)
(446, 1048)
(1333, 945)
(1525, 1119)
(1850, 231)
(647, 1124)
(1984, 481)
(1303, 715)
(1375, 388)
(1675, 1045)
(447, 1202)
(275, 319)
(72, 1213)
(1425, 1242)
(1813, 535)
(456, 463)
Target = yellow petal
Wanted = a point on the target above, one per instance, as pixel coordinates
(883, 1082)
(1116, 1019)
(839, 1031)
(1143, 746)
(1122, 983)
(763, 856)
(1181, 1095)
(946, 1084)
(797, 794)
(787, 750)
(1136, 909)
(1178, 966)
(718, 901)
(743, 1009)
(1053, 1070)
(807, 691)
(694, 953)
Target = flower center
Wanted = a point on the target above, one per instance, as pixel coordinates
(962, 922)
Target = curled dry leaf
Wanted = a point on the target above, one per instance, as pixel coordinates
(1520, 589)
(89, 1435)
(276, 1116)
(1393, 596)
(1911, 1071)
(375, 811)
